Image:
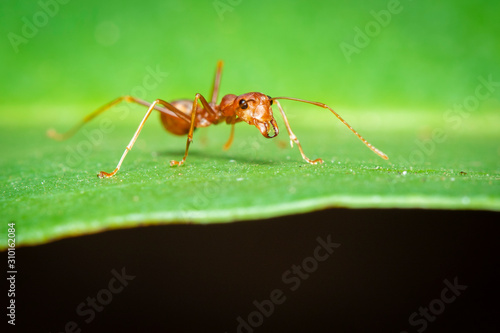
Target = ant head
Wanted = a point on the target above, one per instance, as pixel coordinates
(255, 109)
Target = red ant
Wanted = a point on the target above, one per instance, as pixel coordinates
(177, 117)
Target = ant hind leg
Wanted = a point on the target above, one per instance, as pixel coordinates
(103, 174)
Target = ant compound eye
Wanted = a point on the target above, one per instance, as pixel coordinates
(271, 100)
(243, 104)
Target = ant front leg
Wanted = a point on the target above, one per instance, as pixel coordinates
(293, 138)
(194, 112)
(229, 141)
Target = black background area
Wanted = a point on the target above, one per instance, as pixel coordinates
(201, 278)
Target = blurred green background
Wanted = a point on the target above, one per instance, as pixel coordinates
(427, 57)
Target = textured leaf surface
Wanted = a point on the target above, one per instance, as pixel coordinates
(50, 188)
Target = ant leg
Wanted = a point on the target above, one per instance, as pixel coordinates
(293, 138)
(170, 109)
(231, 122)
(103, 174)
(229, 142)
(194, 111)
(216, 85)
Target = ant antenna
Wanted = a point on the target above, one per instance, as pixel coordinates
(369, 145)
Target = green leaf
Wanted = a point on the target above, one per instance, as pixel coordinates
(399, 87)
(50, 189)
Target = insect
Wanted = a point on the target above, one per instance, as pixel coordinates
(183, 116)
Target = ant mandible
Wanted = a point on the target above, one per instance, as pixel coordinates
(177, 117)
